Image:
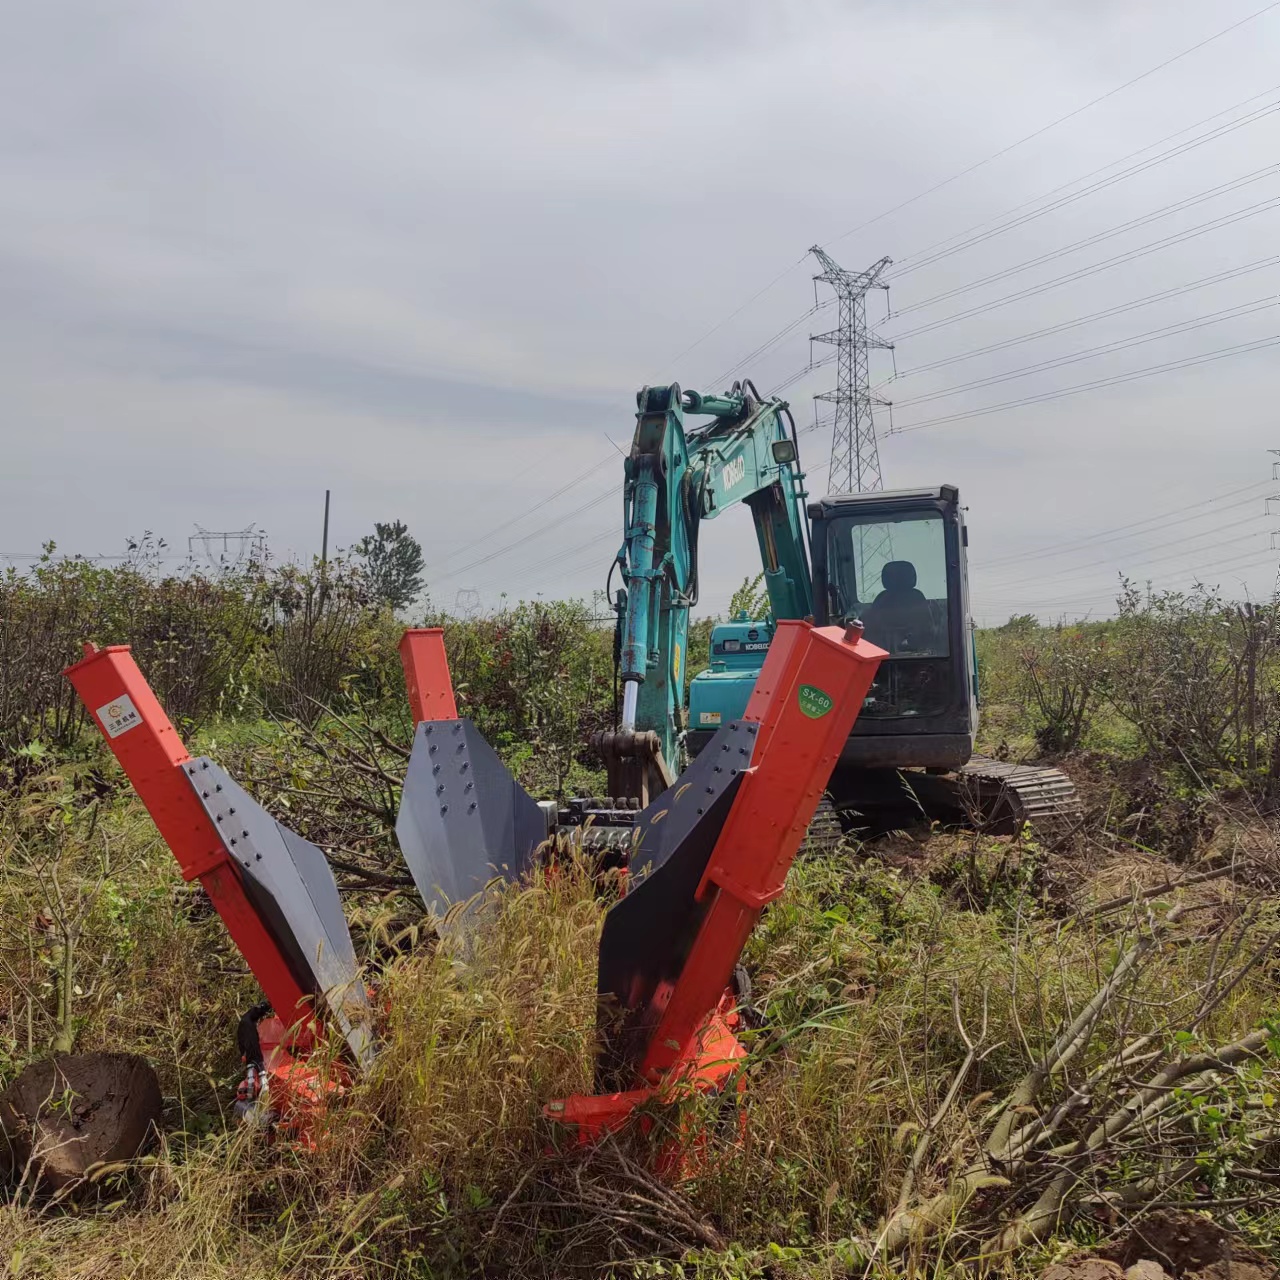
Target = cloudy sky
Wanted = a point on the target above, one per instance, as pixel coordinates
(423, 254)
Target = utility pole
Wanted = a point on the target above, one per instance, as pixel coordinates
(324, 537)
(324, 548)
(855, 455)
(1275, 533)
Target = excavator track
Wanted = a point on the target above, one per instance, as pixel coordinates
(825, 832)
(1000, 796)
(1037, 794)
(995, 796)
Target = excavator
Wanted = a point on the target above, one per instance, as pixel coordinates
(864, 666)
(894, 560)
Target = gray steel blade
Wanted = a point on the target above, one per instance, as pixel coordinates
(291, 884)
(463, 820)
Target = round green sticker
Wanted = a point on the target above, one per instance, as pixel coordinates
(813, 702)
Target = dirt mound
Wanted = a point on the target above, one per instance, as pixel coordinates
(1189, 1245)
(1087, 1267)
(73, 1111)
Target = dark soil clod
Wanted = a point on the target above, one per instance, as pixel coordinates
(65, 1114)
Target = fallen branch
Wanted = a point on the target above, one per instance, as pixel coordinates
(927, 1134)
(1146, 1103)
(1113, 905)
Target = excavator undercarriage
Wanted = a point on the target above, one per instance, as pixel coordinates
(994, 796)
(998, 797)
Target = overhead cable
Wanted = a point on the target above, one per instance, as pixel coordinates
(1151, 371)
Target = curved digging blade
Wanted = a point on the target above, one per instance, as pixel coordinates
(463, 818)
(647, 934)
(290, 883)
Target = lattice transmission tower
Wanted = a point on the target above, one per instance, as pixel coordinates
(229, 546)
(855, 455)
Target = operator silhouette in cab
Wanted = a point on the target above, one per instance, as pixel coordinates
(899, 619)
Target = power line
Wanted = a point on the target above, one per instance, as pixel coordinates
(996, 155)
(788, 270)
(1139, 559)
(787, 328)
(1247, 560)
(1106, 348)
(1239, 563)
(1001, 574)
(817, 425)
(527, 538)
(1141, 251)
(1030, 603)
(1165, 211)
(528, 511)
(1105, 535)
(1219, 277)
(1053, 124)
(562, 559)
(1167, 581)
(945, 248)
(1247, 268)
(93, 557)
(733, 315)
(1190, 362)
(1075, 571)
(792, 378)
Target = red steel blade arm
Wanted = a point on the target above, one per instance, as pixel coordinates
(426, 675)
(157, 763)
(806, 699)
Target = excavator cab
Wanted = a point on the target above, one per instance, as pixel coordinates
(896, 561)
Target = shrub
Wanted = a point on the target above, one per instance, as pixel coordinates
(1064, 672)
(320, 625)
(1197, 677)
(194, 635)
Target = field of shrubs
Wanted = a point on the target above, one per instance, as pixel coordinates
(973, 1051)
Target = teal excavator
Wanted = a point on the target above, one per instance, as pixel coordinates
(895, 561)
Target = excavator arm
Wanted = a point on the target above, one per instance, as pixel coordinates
(676, 477)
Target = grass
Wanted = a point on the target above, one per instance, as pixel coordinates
(437, 1164)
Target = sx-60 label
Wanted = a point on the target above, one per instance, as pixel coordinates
(813, 702)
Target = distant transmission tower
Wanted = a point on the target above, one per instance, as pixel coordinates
(855, 455)
(228, 546)
(466, 604)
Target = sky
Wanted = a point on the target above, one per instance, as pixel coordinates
(423, 255)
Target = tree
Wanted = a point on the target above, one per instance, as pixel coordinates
(392, 563)
(750, 600)
(1020, 624)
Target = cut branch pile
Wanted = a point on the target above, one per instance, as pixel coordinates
(1156, 1121)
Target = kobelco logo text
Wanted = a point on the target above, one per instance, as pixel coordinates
(734, 472)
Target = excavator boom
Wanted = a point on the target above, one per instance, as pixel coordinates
(677, 476)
